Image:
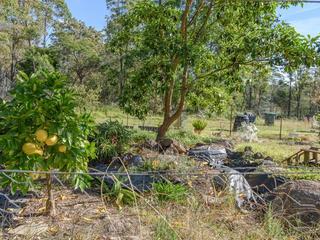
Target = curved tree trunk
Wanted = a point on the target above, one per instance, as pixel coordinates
(168, 118)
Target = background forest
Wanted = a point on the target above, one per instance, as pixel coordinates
(278, 73)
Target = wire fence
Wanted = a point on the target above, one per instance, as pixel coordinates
(99, 214)
(244, 171)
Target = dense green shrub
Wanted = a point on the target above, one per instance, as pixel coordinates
(188, 138)
(111, 139)
(199, 125)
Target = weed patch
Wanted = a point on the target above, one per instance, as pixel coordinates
(168, 191)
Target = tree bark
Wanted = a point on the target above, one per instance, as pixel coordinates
(290, 95)
(13, 61)
(169, 118)
(50, 204)
(298, 110)
(250, 96)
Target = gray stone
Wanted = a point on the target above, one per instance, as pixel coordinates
(172, 151)
(165, 143)
(298, 202)
(257, 155)
(181, 149)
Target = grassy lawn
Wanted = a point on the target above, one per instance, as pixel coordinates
(269, 143)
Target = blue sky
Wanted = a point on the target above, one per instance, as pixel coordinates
(306, 20)
(92, 12)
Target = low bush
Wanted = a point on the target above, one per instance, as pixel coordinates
(111, 139)
(199, 125)
(87, 98)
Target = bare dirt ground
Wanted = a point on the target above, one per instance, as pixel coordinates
(79, 216)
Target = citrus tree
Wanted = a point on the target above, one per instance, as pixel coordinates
(40, 130)
(185, 51)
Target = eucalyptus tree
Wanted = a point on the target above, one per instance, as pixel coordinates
(23, 24)
(51, 12)
(118, 61)
(182, 48)
(78, 49)
(20, 30)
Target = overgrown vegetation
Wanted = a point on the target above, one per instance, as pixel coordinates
(196, 63)
(167, 191)
(111, 139)
(118, 193)
(273, 226)
(151, 165)
(163, 231)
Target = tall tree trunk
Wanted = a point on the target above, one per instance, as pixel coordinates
(50, 204)
(121, 80)
(250, 96)
(169, 118)
(259, 102)
(13, 61)
(44, 42)
(298, 109)
(290, 95)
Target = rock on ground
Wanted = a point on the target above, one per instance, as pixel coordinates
(298, 202)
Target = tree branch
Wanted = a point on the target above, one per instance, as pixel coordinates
(229, 66)
(183, 93)
(175, 61)
(198, 34)
(195, 15)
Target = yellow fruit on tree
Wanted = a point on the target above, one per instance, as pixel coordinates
(52, 140)
(34, 176)
(39, 152)
(29, 148)
(62, 148)
(41, 135)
